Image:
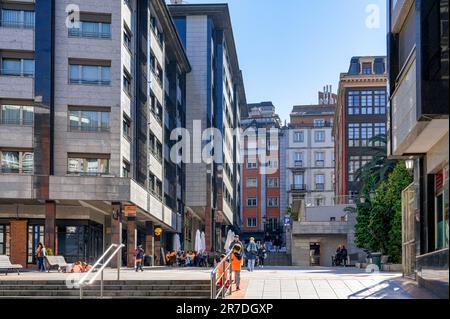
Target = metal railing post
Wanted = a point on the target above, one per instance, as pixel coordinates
(101, 285)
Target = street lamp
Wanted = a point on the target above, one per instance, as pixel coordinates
(409, 164)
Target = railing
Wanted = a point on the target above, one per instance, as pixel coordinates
(17, 24)
(21, 73)
(83, 282)
(225, 279)
(298, 187)
(90, 82)
(77, 33)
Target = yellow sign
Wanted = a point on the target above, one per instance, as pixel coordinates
(130, 210)
(158, 231)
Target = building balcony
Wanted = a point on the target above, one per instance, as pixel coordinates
(17, 37)
(299, 188)
(16, 87)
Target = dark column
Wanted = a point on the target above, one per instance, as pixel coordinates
(116, 228)
(157, 248)
(149, 240)
(50, 225)
(131, 241)
(19, 242)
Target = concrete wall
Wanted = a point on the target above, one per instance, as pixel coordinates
(328, 245)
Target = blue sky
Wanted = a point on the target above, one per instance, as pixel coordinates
(289, 49)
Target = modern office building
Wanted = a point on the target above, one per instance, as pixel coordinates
(215, 99)
(418, 131)
(360, 116)
(88, 91)
(261, 184)
(309, 153)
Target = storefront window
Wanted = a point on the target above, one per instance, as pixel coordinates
(442, 209)
(35, 236)
(5, 240)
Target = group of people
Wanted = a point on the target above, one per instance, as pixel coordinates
(188, 258)
(274, 243)
(341, 256)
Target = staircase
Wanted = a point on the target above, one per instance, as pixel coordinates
(142, 289)
(277, 259)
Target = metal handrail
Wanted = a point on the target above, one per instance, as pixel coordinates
(226, 271)
(101, 269)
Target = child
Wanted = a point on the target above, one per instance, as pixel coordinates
(236, 264)
(222, 273)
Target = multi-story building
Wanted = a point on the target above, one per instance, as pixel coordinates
(418, 63)
(261, 185)
(360, 116)
(215, 100)
(309, 153)
(88, 90)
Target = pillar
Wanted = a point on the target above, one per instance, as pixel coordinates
(116, 229)
(157, 248)
(50, 226)
(18, 251)
(131, 239)
(149, 244)
(209, 231)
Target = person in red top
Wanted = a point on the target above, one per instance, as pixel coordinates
(236, 264)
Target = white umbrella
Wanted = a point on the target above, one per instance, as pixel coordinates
(230, 236)
(176, 242)
(203, 241)
(198, 241)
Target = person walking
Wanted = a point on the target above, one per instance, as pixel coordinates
(261, 255)
(139, 257)
(40, 255)
(236, 264)
(236, 241)
(338, 256)
(252, 252)
(344, 254)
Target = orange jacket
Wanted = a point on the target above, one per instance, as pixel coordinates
(235, 263)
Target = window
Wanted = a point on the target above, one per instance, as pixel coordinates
(379, 130)
(298, 181)
(16, 115)
(87, 165)
(126, 170)
(272, 202)
(320, 159)
(366, 134)
(320, 182)
(155, 107)
(252, 164)
(90, 74)
(17, 67)
(16, 162)
(379, 102)
(298, 159)
(35, 236)
(252, 202)
(441, 214)
(17, 18)
(88, 120)
(127, 38)
(353, 135)
(5, 240)
(353, 165)
(272, 164)
(319, 123)
(87, 29)
(252, 182)
(319, 136)
(299, 137)
(366, 102)
(127, 83)
(273, 182)
(272, 225)
(252, 222)
(367, 68)
(155, 186)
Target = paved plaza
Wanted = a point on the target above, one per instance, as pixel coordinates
(278, 282)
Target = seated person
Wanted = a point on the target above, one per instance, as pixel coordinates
(77, 267)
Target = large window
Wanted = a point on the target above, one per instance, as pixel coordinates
(366, 102)
(90, 74)
(299, 137)
(86, 120)
(273, 182)
(16, 162)
(252, 222)
(298, 159)
(17, 67)
(155, 186)
(16, 115)
(379, 129)
(101, 30)
(252, 182)
(320, 182)
(17, 18)
(252, 202)
(319, 136)
(353, 135)
(320, 159)
(355, 163)
(442, 210)
(88, 165)
(252, 164)
(272, 202)
(5, 240)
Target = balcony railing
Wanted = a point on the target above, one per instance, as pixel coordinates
(298, 188)
(298, 163)
(320, 163)
(17, 24)
(77, 33)
(320, 187)
(90, 82)
(9, 72)
(88, 174)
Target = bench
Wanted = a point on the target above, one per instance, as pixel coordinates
(5, 265)
(56, 261)
(352, 259)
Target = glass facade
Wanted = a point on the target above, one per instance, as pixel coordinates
(91, 30)
(5, 240)
(17, 18)
(90, 74)
(17, 67)
(366, 102)
(16, 115)
(88, 166)
(89, 121)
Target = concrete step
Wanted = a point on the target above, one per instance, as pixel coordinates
(108, 287)
(107, 293)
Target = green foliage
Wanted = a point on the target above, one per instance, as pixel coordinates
(379, 214)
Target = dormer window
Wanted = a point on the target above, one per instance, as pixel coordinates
(367, 68)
